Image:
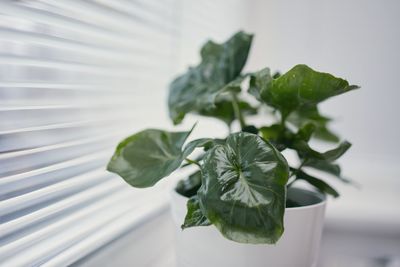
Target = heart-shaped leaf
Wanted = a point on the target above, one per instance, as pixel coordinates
(220, 65)
(150, 155)
(244, 188)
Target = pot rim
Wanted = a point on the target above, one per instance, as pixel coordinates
(322, 198)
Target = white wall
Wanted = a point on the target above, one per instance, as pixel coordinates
(358, 40)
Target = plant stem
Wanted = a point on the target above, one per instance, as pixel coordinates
(191, 161)
(283, 119)
(238, 113)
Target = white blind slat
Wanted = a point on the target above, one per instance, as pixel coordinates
(75, 78)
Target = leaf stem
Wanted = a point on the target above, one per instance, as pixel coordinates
(237, 111)
(283, 119)
(191, 161)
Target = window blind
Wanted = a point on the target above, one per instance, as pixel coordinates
(76, 77)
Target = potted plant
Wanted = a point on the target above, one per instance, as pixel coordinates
(243, 190)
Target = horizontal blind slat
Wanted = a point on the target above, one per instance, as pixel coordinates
(75, 78)
(41, 215)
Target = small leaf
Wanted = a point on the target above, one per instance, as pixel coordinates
(306, 115)
(305, 132)
(323, 165)
(224, 111)
(194, 215)
(243, 189)
(189, 186)
(327, 167)
(336, 153)
(305, 151)
(317, 183)
(260, 81)
(220, 65)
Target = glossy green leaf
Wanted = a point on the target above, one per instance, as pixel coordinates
(299, 87)
(244, 189)
(194, 215)
(146, 157)
(150, 155)
(317, 183)
(220, 65)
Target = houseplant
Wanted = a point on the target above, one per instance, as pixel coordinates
(243, 184)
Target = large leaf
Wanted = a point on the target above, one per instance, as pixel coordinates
(244, 189)
(150, 155)
(220, 65)
(299, 87)
(194, 215)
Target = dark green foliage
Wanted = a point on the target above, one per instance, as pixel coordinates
(218, 72)
(241, 182)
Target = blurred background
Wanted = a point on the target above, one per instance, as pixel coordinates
(77, 76)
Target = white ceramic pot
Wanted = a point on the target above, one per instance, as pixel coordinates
(298, 247)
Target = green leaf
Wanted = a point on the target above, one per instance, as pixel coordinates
(336, 153)
(276, 75)
(189, 186)
(280, 137)
(307, 115)
(305, 151)
(194, 215)
(271, 132)
(220, 65)
(305, 132)
(150, 155)
(301, 86)
(146, 157)
(224, 111)
(323, 165)
(327, 167)
(260, 81)
(317, 183)
(250, 129)
(244, 189)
